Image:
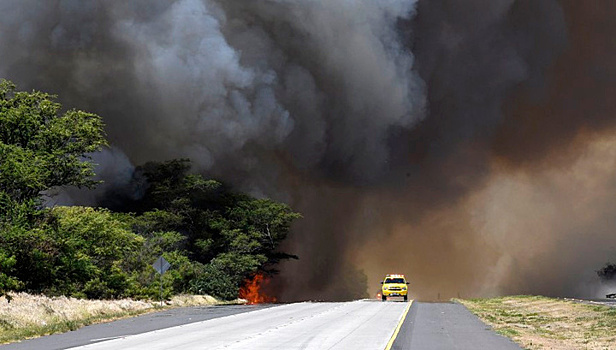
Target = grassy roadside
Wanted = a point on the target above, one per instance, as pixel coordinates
(537, 322)
(29, 316)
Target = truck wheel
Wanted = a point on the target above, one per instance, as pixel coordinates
(383, 298)
(406, 298)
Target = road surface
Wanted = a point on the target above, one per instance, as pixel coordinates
(129, 326)
(364, 324)
(600, 301)
(447, 326)
(353, 325)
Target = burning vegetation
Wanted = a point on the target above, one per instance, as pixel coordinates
(252, 290)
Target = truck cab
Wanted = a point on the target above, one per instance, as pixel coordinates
(394, 286)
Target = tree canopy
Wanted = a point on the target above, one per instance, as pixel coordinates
(214, 237)
(234, 235)
(42, 148)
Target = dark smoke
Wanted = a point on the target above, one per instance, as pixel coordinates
(467, 144)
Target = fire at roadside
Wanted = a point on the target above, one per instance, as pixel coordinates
(252, 290)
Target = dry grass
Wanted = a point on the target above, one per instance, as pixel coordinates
(28, 316)
(545, 323)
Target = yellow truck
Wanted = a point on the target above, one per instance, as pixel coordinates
(394, 286)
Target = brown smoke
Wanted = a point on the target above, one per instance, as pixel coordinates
(523, 204)
(579, 94)
(543, 220)
(541, 232)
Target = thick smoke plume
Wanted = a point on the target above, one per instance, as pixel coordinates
(469, 144)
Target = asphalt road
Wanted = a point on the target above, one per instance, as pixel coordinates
(447, 326)
(352, 325)
(365, 324)
(135, 325)
(601, 301)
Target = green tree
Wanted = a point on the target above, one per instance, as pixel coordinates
(213, 237)
(259, 227)
(92, 247)
(41, 148)
(232, 234)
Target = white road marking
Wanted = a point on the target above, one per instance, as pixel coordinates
(352, 325)
(107, 338)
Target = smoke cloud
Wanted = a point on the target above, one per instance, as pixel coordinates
(468, 144)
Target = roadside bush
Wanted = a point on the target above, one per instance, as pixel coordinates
(92, 244)
(215, 282)
(8, 282)
(30, 257)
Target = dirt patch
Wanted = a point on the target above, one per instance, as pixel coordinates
(537, 322)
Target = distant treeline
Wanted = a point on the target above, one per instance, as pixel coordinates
(213, 237)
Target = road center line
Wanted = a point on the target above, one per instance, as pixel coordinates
(395, 335)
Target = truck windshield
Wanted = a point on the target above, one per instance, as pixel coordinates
(394, 280)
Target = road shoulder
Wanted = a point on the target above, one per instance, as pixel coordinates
(129, 326)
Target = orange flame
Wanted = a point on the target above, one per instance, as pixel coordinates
(251, 290)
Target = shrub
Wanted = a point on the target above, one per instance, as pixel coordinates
(215, 282)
